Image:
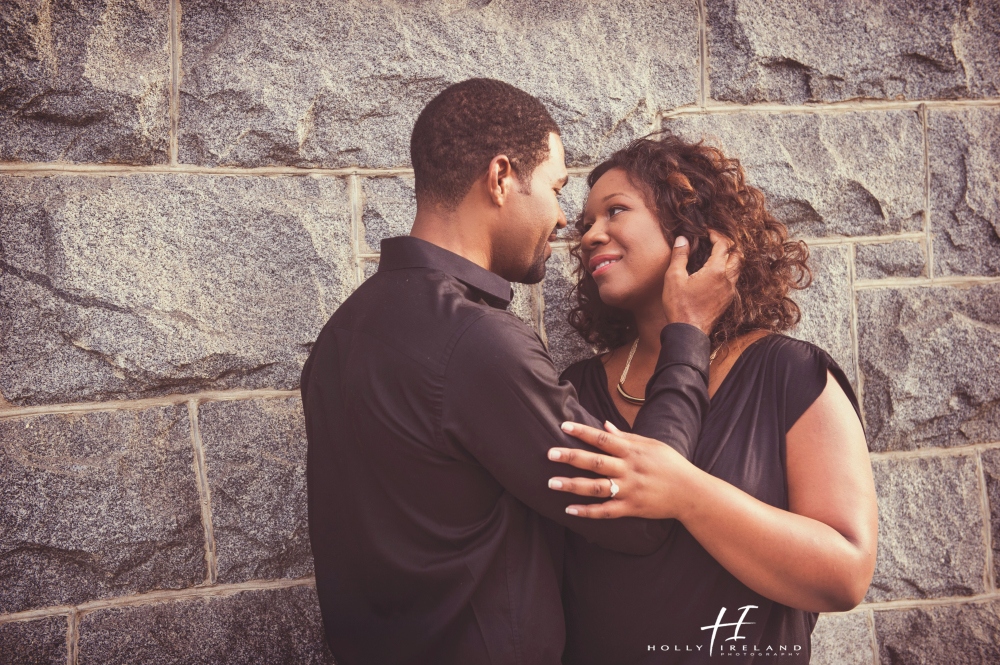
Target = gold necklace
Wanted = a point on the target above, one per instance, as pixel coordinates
(621, 388)
(621, 382)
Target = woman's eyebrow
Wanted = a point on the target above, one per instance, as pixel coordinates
(615, 194)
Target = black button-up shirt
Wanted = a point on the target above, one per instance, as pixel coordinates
(429, 412)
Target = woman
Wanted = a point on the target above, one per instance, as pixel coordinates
(776, 515)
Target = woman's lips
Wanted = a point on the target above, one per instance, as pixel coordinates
(602, 264)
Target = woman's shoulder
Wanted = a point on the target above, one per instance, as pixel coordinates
(801, 368)
(578, 371)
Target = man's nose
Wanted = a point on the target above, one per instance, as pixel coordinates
(561, 222)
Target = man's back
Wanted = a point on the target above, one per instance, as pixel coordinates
(416, 535)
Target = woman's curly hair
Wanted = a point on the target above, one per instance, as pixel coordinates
(693, 188)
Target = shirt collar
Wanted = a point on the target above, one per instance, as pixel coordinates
(409, 252)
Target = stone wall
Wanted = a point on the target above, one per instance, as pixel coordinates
(188, 190)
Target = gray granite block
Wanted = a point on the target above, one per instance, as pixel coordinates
(830, 174)
(955, 634)
(965, 199)
(268, 626)
(340, 82)
(564, 343)
(826, 307)
(97, 505)
(152, 284)
(842, 639)
(812, 51)
(255, 460)
(930, 536)
(390, 205)
(35, 642)
(930, 357)
(85, 82)
(991, 469)
(902, 258)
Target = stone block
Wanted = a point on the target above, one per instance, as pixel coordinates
(930, 534)
(826, 174)
(368, 268)
(902, 258)
(955, 634)
(97, 505)
(564, 343)
(991, 468)
(255, 460)
(842, 639)
(339, 83)
(826, 307)
(572, 198)
(526, 304)
(390, 205)
(85, 82)
(965, 190)
(152, 284)
(811, 51)
(930, 357)
(37, 642)
(268, 626)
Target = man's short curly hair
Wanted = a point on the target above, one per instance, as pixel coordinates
(693, 188)
(468, 124)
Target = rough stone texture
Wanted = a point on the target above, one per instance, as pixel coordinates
(931, 364)
(572, 198)
(390, 206)
(564, 343)
(38, 642)
(956, 634)
(930, 535)
(340, 82)
(85, 81)
(150, 284)
(826, 307)
(842, 639)
(902, 258)
(991, 468)
(830, 174)
(525, 305)
(255, 460)
(368, 268)
(97, 505)
(815, 51)
(965, 190)
(272, 626)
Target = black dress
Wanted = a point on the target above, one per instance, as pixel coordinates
(662, 608)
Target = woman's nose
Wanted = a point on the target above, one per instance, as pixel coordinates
(594, 236)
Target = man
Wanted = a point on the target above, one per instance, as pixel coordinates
(430, 409)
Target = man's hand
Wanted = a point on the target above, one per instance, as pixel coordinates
(700, 299)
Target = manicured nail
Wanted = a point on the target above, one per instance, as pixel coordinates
(567, 427)
(572, 511)
(681, 241)
(609, 425)
(555, 484)
(554, 454)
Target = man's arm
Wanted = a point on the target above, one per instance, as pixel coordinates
(503, 404)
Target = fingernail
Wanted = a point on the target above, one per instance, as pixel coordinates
(554, 454)
(555, 484)
(567, 427)
(572, 511)
(608, 424)
(681, 241)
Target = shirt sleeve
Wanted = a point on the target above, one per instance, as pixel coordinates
(504, 405)
(802, 373)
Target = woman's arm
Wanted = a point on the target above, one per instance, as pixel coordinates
(818, 556)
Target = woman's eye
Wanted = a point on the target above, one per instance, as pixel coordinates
(614, 210)
(586, 227)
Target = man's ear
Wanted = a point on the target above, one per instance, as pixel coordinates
(500, 179)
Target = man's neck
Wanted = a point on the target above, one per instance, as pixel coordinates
(447, 231)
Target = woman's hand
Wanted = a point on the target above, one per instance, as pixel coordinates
(700, 299)
(651, 476)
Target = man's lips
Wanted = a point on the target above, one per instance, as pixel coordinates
(601, 263)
